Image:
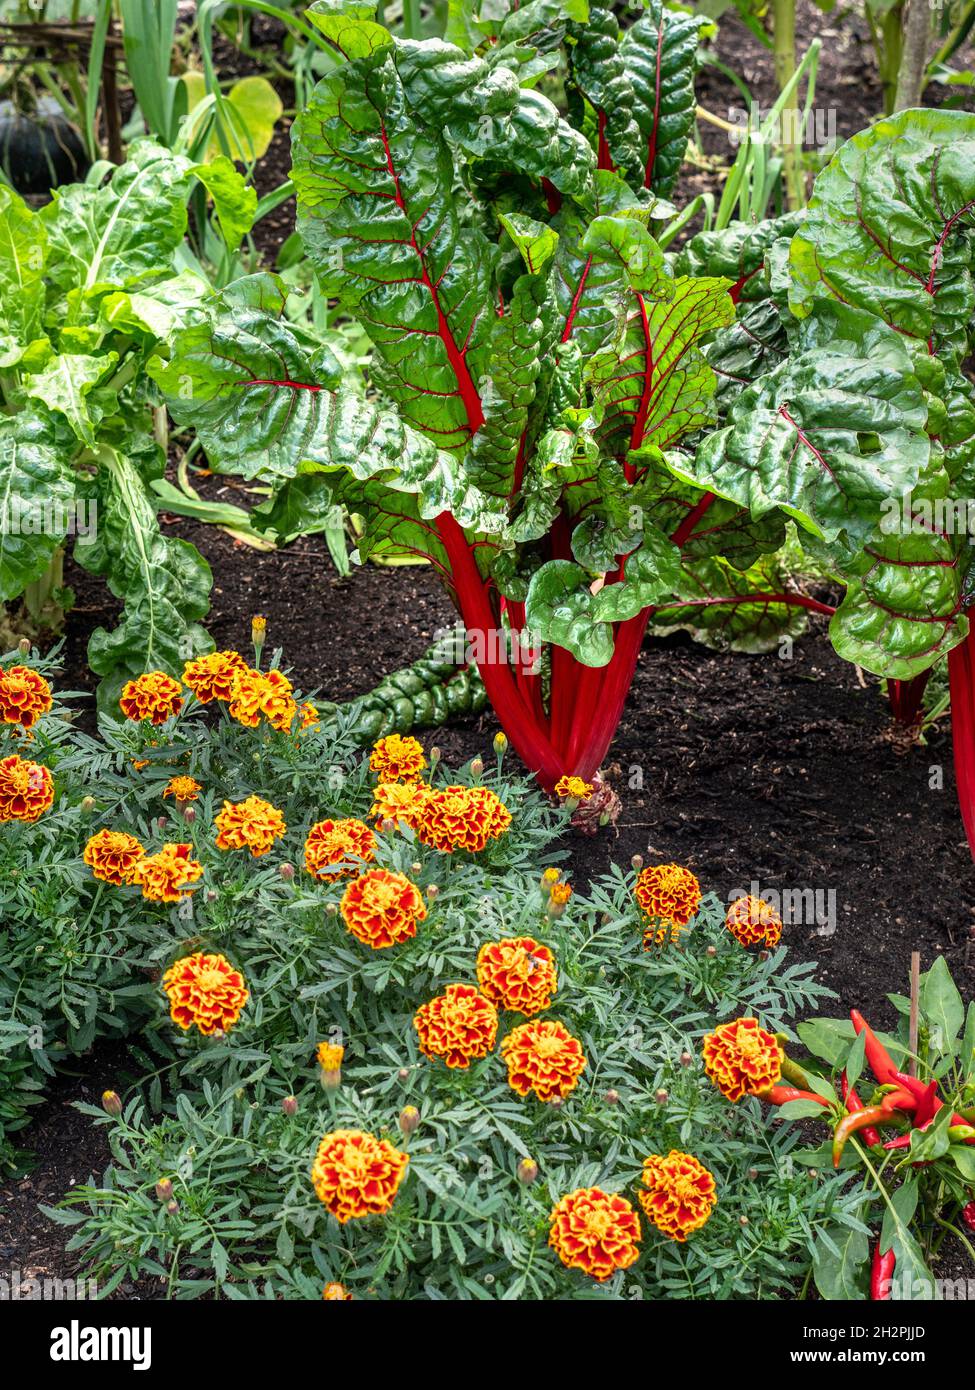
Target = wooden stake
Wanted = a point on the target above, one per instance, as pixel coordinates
(915, 999)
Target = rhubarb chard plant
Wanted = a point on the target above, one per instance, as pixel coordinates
(585, 435)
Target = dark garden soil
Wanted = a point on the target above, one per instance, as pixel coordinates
(743, 768)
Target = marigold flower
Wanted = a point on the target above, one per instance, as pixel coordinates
(382, 909)
(595, 1231)
(355, 1174)
(752, 921)
(332, 842)
(458, 1026)
(397, 759)
(153, 696)
(163, 875)
(517, 973)
(255, 694)
(461, 818)
(112, 856)
(669, 896)
(182, 789)
(560, 893)
(26, 789)
(212, 677)
(252, 824)
(678, 1193)
(308, 718)
(399, 802)
(330, 1056)
(206, 991)
(742, 1059)
(336, 1293)
(24, 696)
(573, 788)
(543, 1056)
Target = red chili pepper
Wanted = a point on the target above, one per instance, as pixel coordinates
(881, 1062)
(853, 1103)
(849, 1124)
(899, 1100)
(968, 1215)
(927, 1097)
(881, 1274)
(781, 1095)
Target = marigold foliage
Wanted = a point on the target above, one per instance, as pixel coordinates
(24, 696)
(678, 1193)
(397, 759)
(543, 1056)
(753, 922)
(26, 790)
(112, 856)
(595, 1231)
(252, 824)
(382, 909)
(153, 696)
(458, 1026)
(206, 992)
(355, 1174)
(742, 1059)
(331, 842)
(517, 973)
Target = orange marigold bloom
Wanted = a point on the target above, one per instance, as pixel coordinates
(26, 789)
(332, 842)
(154, 696)
(753, 920)
(355, 1174)
(543, 1056)
(252, 824)
(458, 1026)
(678, 1193)
(381, 908)
(574, 787)
(24, 696)
(334, 1293)
(595, 1231)
(397, 759)
(182, 788)
(461, 818)
(212, 677)
(560, 893)
(669, 896)
(163, 875)
(742, 1059)
(206, 991)
(255, 694)
(309, 719)
(330, 1055)
(400, 802)
(517, 973)
(112, 856)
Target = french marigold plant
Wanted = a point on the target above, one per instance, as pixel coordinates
(397, 758)
(458, 1026)
(382, 909)
(252, 824)
(400, 803)
(742, 1058)
(542, 1056)
(329, 1056)
(573, 789)
(356, 1175)
(329, 843)
(754, 922)
(112, 856)
(517, 973)
(205, 992)
(461, 818)
(212, 677)
(154, 696)
(165, 875)
(677, 1193)
(595, 1231)
(26, 789)
(182, 789)
(256, 695)
(24, 696)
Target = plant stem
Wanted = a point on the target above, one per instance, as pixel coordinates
(784, 34)
(914, 56)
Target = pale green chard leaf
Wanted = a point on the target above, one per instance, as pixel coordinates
(158, 310)
(34, 483)
(650, 573)
(65, 386)
(559, 607)
(23, 254)
(351, 27)
(659, 52)
(731, 609)
(234, 199)
(887, 226)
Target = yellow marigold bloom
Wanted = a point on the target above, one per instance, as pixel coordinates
(573, 788)
(742, 1059)
(669, 896)
(543, 1056)
(330, 1055)
(256, 694)
(212, 677)
(752, 921)
(560, 893)
(163, 876)
(382, 909)
(678, 1193)
(332, 842)
(459, 1026)
(258, 628)
(461, 818)
(355, 1174)
(308, 718)
(26, 790)
(154, 696)
(252, 824)
(206, 991)
(112, 856)
(335, 1293)
(397, 759)
(595, 1231)
(400, 802)
(24, 696)
(551, 876)
(517, 973)
(182, 789)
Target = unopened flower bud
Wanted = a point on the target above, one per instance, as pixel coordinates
(331, 1080)
(743, 1221)
(290, 1106)
(403, 1073)
(556, 1102)
(415, 867)
(409, 1118)
(612, 1097)
(87, 804)
(763, 955)
(686, 1059)
(331, 909)
(435, 756)
(711, 951)
(661, 1096)
(432, 891)
(387, 825)
(164, 1189)
(162, 822)
(637, 862)
(286, 871)
(172, 1207)
(477, 766)
(111, 1103)
(814, 1173)
(23, 646)
(189, 814)
(753, 1174)
(527, 1171)
(211, 895)
(500, 744)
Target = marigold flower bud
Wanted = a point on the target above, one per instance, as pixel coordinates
(409, 1118)
(477, 766)
(686, 1059)
(111, 1103)
(662, 1096)
(162, 822)
(711, 951)
(763, 955)
(500, 744)
(331, 909)
(611, 1097)
(88, 803)
(415, 867)
(290, 1106)
(753, 1174)
(286, 871)
(23, 646)
(189, 814)
(435, 756)
(556, 1102)
(527, 1171)
(164, 1189)
(432, 892)
(743, 1221)
(172, 1207)
(637, 862)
